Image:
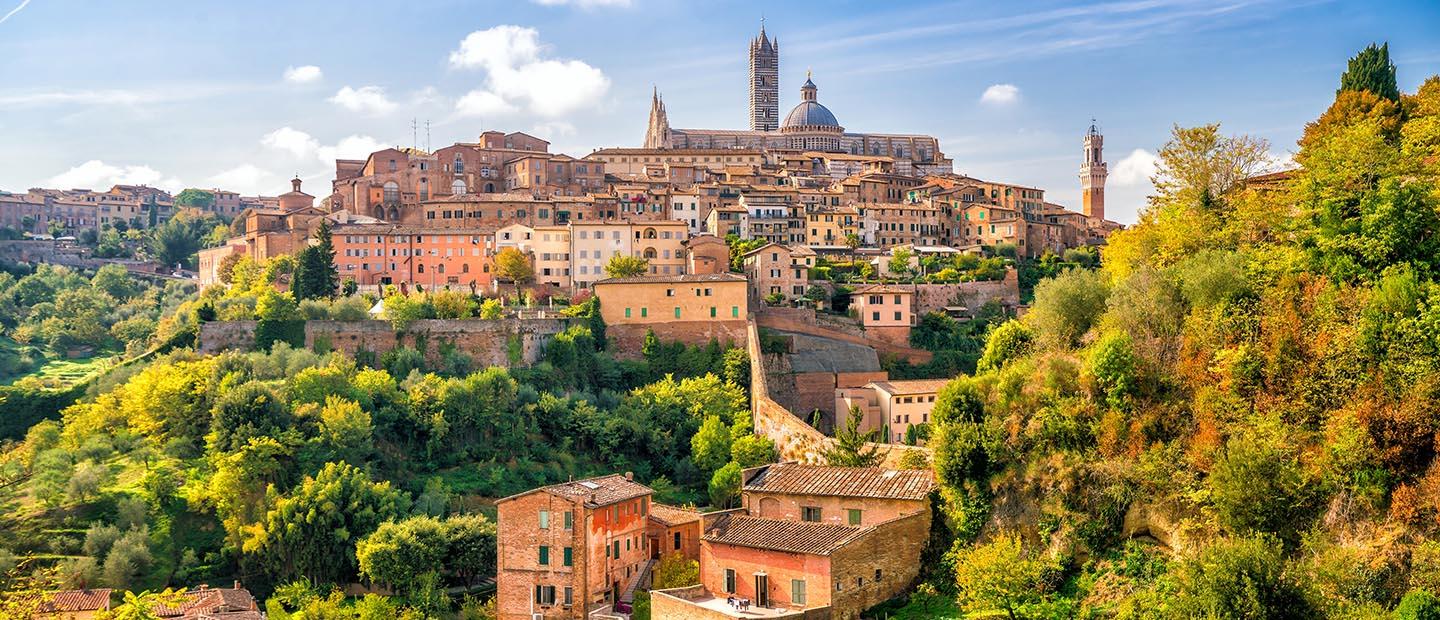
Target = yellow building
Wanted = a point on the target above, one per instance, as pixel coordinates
(890, 407)
(832, 226)
(658, 300)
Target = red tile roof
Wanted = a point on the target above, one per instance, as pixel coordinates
(601, 491)
(671, 515)
(777, 535)
(77, 600)
(873, 482)
(207, 602)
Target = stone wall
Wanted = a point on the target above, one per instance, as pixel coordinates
(627, 339)
(935, 297)
(676, 604)
(794, 439)
(487, 342)
(894, 549)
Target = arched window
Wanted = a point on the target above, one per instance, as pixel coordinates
(649, 233)
(424, 189)
(458, 187)
(489, 188)
(394, 214)
(649, 253)
(465, 268)
(420, 268)
(392, 192)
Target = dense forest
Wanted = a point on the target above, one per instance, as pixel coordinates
(1236, 415)
(194, 469)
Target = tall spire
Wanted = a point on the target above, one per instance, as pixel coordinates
(764, 81)
(657, 132)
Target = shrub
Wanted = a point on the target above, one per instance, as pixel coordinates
(1066, 306)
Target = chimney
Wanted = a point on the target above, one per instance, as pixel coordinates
(237, 584)
(630, 475)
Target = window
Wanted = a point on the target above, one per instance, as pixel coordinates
(544, 555)
(735, 311)
(617, 549)
(644, 312)
(569, 556)
(544, 519)
(627, 313)
(569, 520)
(729, 581)
(810, 513)
(874, 316)
(677, 540)
(897, 316)
(712, 312)
(853, 516)
(545, 595)
(877, 574)
(797, 592)
(569, 596)
(677, 312)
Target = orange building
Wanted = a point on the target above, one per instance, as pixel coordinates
(374, 255)
(673, 530)
(890, 407)
(787, 558)
(568, 549)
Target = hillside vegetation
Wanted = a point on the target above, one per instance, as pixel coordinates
(1236, 416)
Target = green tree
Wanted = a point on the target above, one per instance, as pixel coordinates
(492, 309)
(999, 575)
(305, 535)
(753, 450)
(315, 274)
(1006, 342)
(1418, 605)
(622, 266)
(196, 198)
(402, 310)
(279, 320)
(398, 553)
(248, 411)
(853, 448)
(1257, 485)
(1371, 70)
(710, 446)
(725, 486)
(1239, 578)
(1066, 306)
(142, 606)
(675, 571)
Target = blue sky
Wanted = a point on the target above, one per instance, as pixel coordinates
(202, 93)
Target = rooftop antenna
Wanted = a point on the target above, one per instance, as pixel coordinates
(414, 128)
(427, 135)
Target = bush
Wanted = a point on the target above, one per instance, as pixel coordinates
(1066, 306)
(1240, 578)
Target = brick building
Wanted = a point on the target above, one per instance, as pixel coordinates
(566, 549)
(773, 268)
(673, 530)
(890, 407)
(812, 542)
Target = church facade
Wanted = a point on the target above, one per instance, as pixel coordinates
(808, 127)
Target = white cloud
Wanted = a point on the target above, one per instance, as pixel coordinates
(303, 74)
(293, 141)
(98, 175)
(350, 147)
(585, 4)
(483, 103)
(1001, 95)
(247, 179)
(519, 77)
(1275, 162)
(365, 100)
(550, 130)
(1135, 169)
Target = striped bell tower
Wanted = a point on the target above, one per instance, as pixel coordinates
(764, 82)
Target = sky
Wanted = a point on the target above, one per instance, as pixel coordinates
(245, 95)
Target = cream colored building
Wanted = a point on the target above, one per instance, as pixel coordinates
(655, 300)
(881, 305)
(773, 268)
(890, 407)
(592, 244)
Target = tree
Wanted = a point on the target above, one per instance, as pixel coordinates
(753, 450)
(402, 310)
(999, 575)
(1257, 485)
(675, 571)
(279, 320)
(853, 448)
(315, 274)
(512, 264)
(452, 304)
(398, 553)
(1371, 70)
(852, 240)
(1006, 342)
(305, 535)
(725, 486)
(492, 309)
(710, 447)
(622, 266)
(900, 261)
(1418, 605)
(176, 241)
(1066, 306)
(142, 606)
(1239, 578)
(248, 411)
(196, 198)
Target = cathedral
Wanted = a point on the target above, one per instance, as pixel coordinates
(808, 127)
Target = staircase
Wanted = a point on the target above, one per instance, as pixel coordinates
(639, 581)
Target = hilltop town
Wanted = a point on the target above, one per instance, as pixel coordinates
(791, 371)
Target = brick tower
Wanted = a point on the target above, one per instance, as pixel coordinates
(764, 82)
(1092, 175)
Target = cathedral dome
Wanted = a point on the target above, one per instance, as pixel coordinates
(809, 114)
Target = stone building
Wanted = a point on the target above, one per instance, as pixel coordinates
(810, 542)
(567, 549)
(809, 126)
(774, 268)
(673, 530)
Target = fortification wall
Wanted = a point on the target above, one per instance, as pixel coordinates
(499, 342)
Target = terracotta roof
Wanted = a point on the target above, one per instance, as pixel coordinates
(671, 515)
(778, 535)
(873, 482)
(77, 600)
(601, 491)
(691, 277)
(913, 386)
(206, 602)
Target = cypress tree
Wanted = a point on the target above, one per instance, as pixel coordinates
(1371, 70)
